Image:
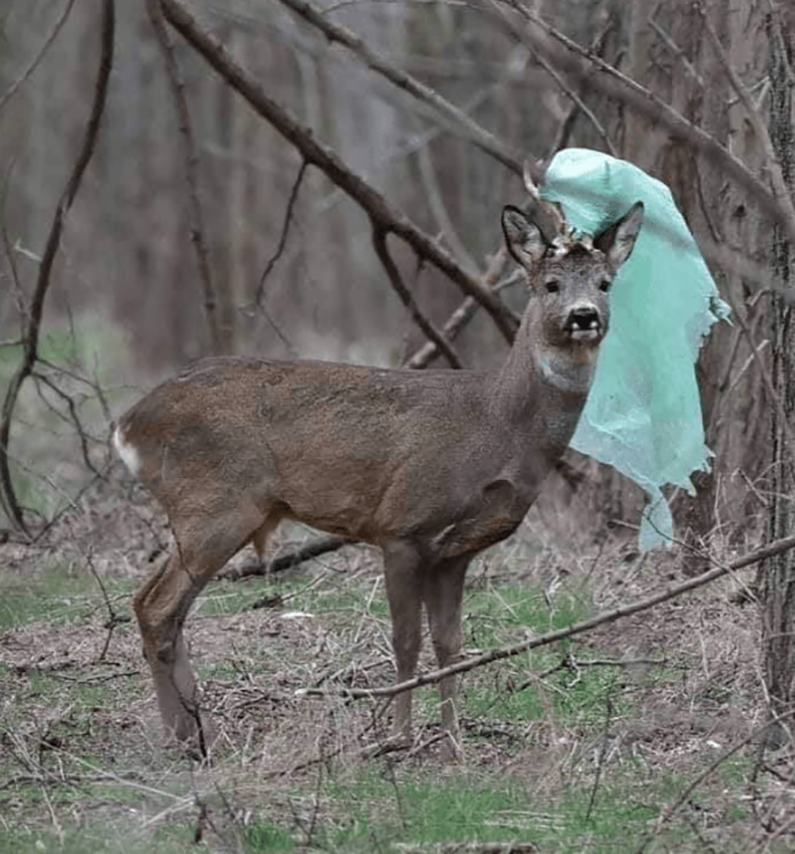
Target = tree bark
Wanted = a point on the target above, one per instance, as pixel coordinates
(779, 625)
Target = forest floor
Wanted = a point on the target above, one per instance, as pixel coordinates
(645, 734)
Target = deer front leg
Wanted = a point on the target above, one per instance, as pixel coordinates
(404, 592)
(443, 591)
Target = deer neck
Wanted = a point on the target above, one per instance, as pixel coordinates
(540, 390)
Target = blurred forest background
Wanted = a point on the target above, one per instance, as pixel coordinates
(700, 97)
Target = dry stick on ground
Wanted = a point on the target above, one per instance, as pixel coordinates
(288, 561)
(316, 153)
(114, 619)
(31, 337)
(451, 116)
(685, 796)
(720, 570)
(191, 157)
(583, 63)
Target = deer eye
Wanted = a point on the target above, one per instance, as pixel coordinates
(552, 286)
(604, 285)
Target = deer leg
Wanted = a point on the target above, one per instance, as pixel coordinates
(162, 604)
(443, 591)
(404, 592)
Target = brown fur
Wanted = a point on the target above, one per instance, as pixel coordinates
(432, 466)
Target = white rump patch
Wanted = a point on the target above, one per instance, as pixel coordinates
(129, 456)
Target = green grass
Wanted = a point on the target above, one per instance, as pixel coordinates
(61, 593)
(532, 744)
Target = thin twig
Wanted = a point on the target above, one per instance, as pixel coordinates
(438, 208)
(461, 316)
(578, 102)
(31, 337)
(191, 157)
(20, 81)
(772, 164)
(677, 51)
(761, 364)
(73, 416)
(114, 619)
(449, 114)
(431, 332)
(288, 215)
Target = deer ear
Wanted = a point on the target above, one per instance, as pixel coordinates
(522, 236)
(617, 240)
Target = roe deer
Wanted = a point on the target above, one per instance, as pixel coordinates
(432, 466)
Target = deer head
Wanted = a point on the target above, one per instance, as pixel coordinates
(569, 275)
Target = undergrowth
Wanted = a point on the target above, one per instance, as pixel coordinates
(578, 747)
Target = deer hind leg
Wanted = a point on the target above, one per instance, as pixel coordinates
(443, 591)
(404, 592)
(203, 545)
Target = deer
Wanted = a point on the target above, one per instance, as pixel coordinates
(431, 466)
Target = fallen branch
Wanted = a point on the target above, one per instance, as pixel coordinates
(684, 798)
(719, 571)
(31, 337)
(288, 561)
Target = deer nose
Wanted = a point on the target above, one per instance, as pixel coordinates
(583, 319)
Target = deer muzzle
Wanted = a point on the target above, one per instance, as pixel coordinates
(584, 324)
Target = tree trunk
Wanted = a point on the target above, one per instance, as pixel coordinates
(779, 641)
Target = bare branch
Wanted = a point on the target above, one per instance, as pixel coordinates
(767, 380)
(582, 62)
(461, 316)
(678, 53)
(73, 416)
(433, 334)
(31, 338)
(772, 164)
(776, 547)
(320, 155)
(288, 215)
(575, 98)
(20, 81)
(439, 210)
(450, 115)
(191, 173)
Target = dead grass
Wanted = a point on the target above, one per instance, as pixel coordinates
(566, 750)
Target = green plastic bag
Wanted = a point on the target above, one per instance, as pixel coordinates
(643, 414)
